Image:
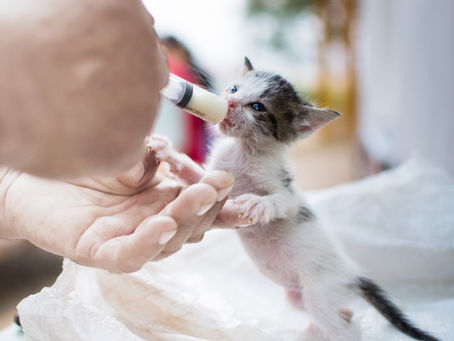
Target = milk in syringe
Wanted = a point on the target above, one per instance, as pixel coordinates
(195, 100)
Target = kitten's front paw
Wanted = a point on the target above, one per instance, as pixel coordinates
(162, 147)
(254, 207)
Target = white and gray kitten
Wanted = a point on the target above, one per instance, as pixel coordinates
(285, 240)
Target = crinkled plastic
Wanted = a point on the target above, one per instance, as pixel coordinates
(398, 225)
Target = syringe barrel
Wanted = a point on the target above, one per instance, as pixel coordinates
(178, 91)
(195, 100)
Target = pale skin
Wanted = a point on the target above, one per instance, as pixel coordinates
(79, 91)
(115, 223)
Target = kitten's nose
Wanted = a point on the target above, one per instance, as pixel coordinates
(232, 103)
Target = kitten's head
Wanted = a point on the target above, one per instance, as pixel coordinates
(265, 107)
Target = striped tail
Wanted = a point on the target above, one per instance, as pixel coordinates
(376, 296)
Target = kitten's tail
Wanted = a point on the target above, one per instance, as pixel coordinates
(376, 296)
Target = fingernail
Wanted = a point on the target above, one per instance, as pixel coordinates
(204, 209)
(166, 236)
(223, 193)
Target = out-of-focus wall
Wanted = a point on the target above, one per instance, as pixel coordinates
(406, 80)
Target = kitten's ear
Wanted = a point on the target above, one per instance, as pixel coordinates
(312, 119)
(247, 65)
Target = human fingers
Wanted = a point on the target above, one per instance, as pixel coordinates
(226, 216)
(222, 182)
(188, 210)
(229, 217)
(128, 253)
(196, 239)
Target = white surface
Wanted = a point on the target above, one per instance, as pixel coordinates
(398, 225)
(12, 333)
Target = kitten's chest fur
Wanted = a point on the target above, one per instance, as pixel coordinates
(256, 174)
(262, 174)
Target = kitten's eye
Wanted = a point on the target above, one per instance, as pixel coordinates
(233, 89)
(258, 106)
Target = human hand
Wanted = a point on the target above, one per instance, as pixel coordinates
(79, 85)
(116, 223)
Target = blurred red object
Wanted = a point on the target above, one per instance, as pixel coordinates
(180, 63)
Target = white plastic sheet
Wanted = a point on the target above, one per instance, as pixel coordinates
(398, 225)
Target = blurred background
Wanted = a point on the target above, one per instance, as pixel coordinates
(387, 66)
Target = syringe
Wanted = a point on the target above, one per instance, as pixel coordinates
(195, 100)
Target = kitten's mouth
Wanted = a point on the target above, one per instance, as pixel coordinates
(227, 123)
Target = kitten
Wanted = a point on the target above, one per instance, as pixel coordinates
(285, 239)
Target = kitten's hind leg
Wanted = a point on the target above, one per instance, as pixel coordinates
(295, 298)
(314, 333)
(323, 303)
